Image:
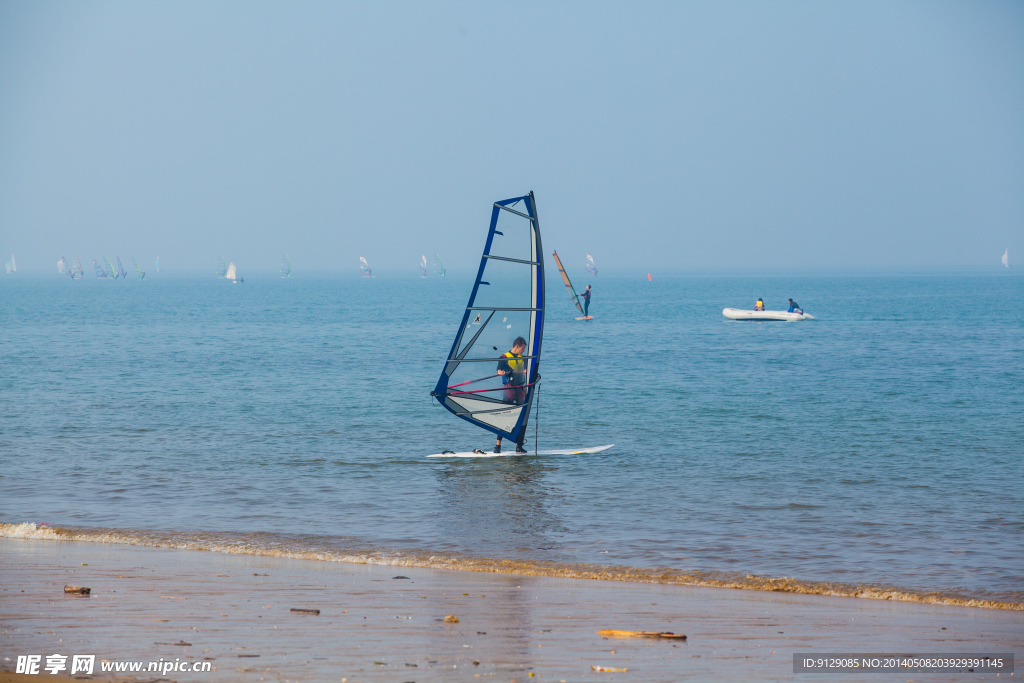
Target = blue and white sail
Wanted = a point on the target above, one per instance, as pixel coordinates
(507, 302)
(76, 269)
(364, 267)
(62, 266)
(423, 265)
(99, 269)
(591, 266)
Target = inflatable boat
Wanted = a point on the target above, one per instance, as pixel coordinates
(740, 314)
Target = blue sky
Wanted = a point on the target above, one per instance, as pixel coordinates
(667, 136)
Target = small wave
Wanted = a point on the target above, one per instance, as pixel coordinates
(781, 506)
(311, 548)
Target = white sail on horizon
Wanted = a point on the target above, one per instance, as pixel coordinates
(1006, 258)
(61, 266)
(231, 274)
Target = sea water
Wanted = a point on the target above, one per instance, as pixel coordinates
(877, 450)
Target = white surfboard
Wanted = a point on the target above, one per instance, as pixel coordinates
(488, 454)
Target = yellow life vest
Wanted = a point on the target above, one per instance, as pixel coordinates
(515, 365)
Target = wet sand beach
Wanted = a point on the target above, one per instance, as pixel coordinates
(235, 611)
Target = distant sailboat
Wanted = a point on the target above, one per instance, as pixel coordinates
(364, 267)
(231, 274)
(438, 266)
(99, 269)
(222, 269)
(11, 266)
(62, 266)
(286, 267)
(568, 286)
(140, 271)
(1006, 258)
(120, 269)
(156, 264)
(423, 265)
(591, 268)
(113, 271)
(76, 270)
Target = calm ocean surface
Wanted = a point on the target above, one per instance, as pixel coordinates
(881, 444)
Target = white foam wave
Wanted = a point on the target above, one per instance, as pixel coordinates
(271, 546)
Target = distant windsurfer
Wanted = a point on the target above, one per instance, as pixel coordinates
(512, 368)
(794, 307)
(759, 306)
(586, 302)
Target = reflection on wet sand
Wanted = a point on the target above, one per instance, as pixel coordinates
(503, 503)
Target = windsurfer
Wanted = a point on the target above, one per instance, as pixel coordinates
(759, 306)
(586, 302)
(512, 369)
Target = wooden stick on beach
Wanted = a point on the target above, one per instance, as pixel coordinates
(640, 634)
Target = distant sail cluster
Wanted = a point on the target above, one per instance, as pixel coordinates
(228, 271)
(105, 268)
(112, 269)
(438, 266)
(108, 269)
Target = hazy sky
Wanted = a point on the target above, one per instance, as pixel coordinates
(657, 135)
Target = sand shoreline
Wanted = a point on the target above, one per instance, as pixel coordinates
(242, 544)
(235, 611)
